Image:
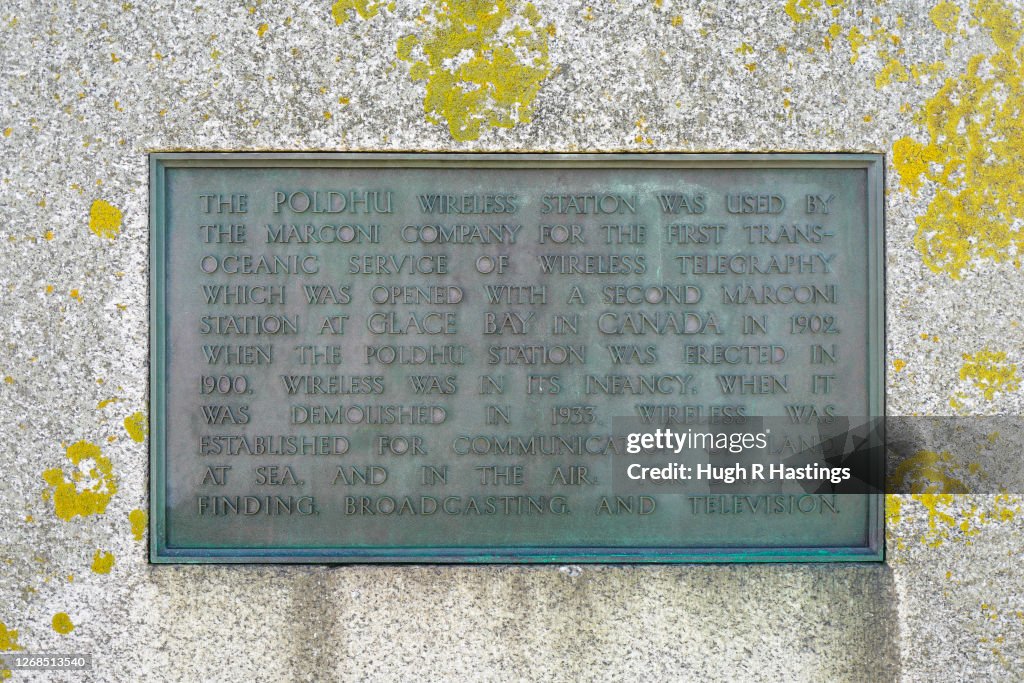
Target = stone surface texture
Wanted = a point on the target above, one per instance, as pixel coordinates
(88, 88)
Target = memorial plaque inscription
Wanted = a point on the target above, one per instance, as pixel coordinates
(428, 358)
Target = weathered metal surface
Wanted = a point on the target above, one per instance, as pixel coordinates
(412, 357)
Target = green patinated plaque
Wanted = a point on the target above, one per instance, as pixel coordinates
(475, 358)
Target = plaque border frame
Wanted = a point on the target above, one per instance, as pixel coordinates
(161, 553)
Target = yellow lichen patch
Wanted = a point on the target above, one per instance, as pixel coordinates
(261, 30)
(75, 294)
(641, 124)
(919, 71)
(367, 9)
(883, 35)
(7, 132)
(945, 16)
(799, 10)
(933, 481)
(892, 509)
(957, 403)
(102, 562)
(913, 161)
(892, 71)
(940, 522)
(990, 372)
(104, 219)
(106, 402)
(744, 49)
(483, 62)
(137, 426)
(1006, 508)
(88, 489)
(972, 156)
(62, 623)
(893, 505)
(898, 364)
(802, 10)
(927, 472)
(8, 379)
(138, 519)
(8, 639)
(856, 39)
(833, 32)
(1001, 21)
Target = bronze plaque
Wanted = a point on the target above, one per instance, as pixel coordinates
(472, 358)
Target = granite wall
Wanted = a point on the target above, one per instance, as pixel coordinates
(88, 88)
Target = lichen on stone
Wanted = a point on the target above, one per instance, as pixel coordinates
(8, 643)
(62, 623)
(137, 426)
(138, 519)
(366, 9)
(936, 480)
(883, 34)
(483, 62)
(990, 372)
(927, 472)
(89, 487)
(8, 639)
(802, 10)
(105, 219)
(971, 155)
(945, 16)
(102, 562)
